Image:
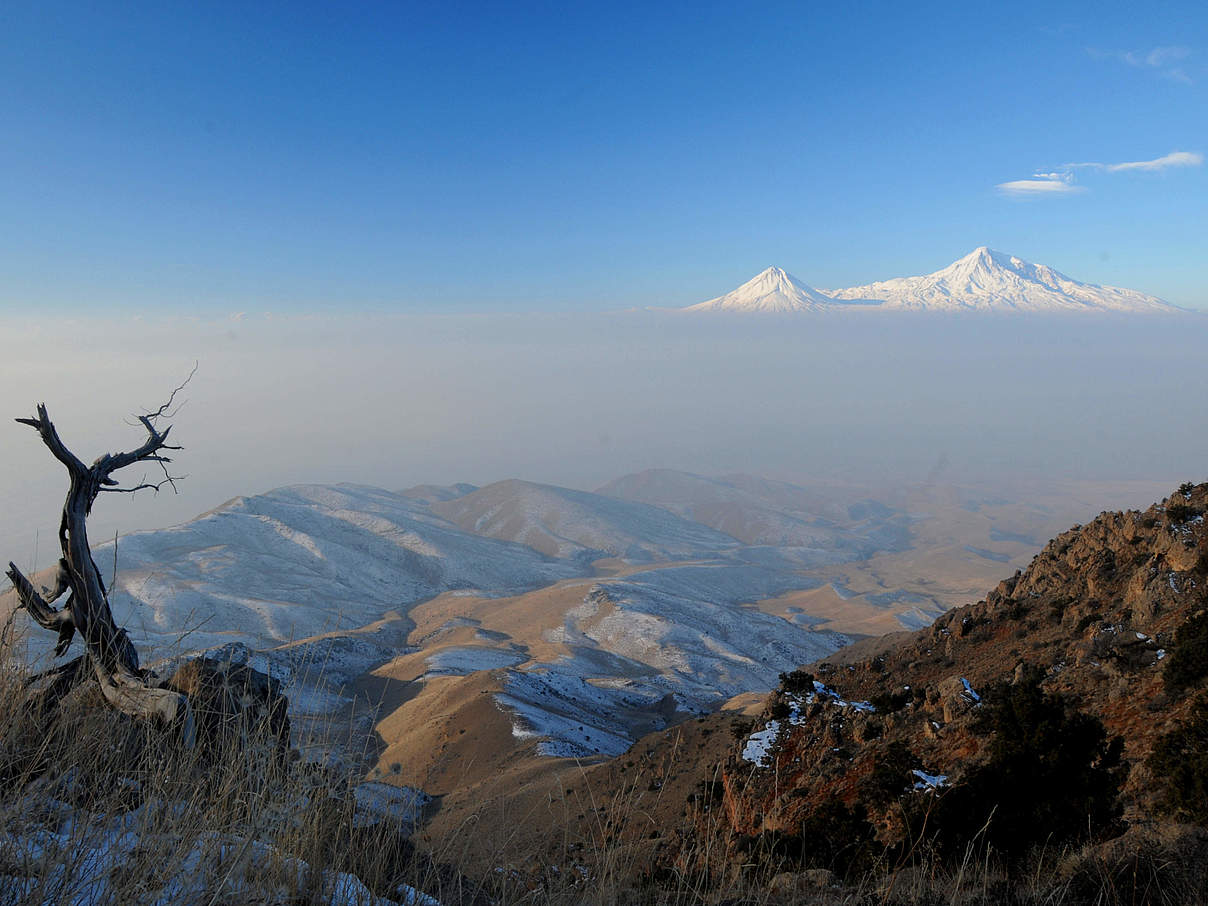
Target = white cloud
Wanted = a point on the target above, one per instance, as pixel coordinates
(1061, 182)
(1173, 159)
(1040, 185)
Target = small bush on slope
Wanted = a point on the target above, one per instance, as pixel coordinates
(1187, 663)
(1180, 764)
(892, 774)
(1052, 776)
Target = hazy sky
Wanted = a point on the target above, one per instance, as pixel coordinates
(226, 157)
(579, 399)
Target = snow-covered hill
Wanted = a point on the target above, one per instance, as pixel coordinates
(660, 641)
(319, 585)
(986, 280)
(562, 522)
(772, 290)
(300, 561)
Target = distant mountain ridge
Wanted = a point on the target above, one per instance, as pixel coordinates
(985, 280)
(561, 522)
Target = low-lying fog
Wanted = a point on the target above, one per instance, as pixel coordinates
(580, 399)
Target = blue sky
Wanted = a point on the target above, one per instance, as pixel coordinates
(457, 156)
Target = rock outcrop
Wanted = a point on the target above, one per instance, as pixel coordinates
(1096, 618)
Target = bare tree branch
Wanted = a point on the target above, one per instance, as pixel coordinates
(50, 437)
(163, 410)
(109, 654)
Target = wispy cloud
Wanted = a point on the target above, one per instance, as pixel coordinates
(1165, 162)
(1040, 185)
(1166, 60)
(1061, 181)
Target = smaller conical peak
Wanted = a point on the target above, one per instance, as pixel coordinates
(981, 254)
(777, 277)
(772, 276)
(772, 289)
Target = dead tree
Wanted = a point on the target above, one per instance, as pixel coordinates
(109, 656)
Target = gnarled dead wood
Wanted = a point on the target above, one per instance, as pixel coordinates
(109, 654)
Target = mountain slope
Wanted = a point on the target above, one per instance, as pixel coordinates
(1100, 616)
(562, 522)
(772, 290)
(757, 511)
(300, 561)
(986, 280)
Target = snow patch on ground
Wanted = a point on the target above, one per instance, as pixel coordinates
(469, 659)
(759, 745)
(67, 857)
(927, 781)
(973, 696)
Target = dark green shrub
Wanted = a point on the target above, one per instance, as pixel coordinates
(1187, 661)
(891, 774)
(1178, 513)
(833, 836)
(740, 729)
(891, 702)
(797, 681)
(1180, 763)
(1052, 776)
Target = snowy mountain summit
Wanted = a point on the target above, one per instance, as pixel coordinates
(773, 290)
(986, 280)
(982, 281)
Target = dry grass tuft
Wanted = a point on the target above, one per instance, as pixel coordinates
(97, 808)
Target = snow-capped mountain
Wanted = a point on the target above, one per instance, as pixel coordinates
(773, 290)
(986, 280)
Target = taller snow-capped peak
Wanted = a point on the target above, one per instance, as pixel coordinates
(771, 290)
(988, 280)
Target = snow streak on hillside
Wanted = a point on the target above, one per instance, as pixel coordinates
(301, 561)
(653, 644)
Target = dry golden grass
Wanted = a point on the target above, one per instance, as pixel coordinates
(98, 808)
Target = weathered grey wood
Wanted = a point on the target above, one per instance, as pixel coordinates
(109, 653)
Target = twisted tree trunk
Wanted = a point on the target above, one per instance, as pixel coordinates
(108, 655)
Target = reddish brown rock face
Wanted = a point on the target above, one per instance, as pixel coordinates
(1097, 612)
